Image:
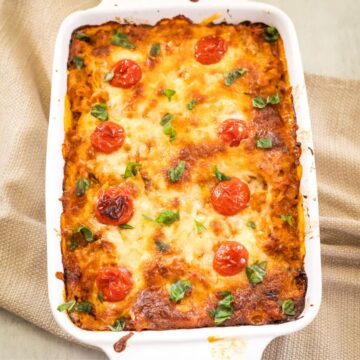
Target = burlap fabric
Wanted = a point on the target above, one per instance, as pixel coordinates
(27, 34)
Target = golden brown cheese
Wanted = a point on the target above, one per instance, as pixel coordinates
(271, 174)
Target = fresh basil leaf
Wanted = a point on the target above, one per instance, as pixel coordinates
(224, 308)
(287, 218)
(271, 34)
(118, 325)
(219, 175)
(259, 102)
(67, 306)
(86, 233)
(100, 296)
(176, 173)
(169, 93)
(73, 243)
(169, 130)
(132, 168)
(256, 272)
(78, 61)
(200, 227)
(166, 119)
(83, 307)
(190, 106)
(273, 99)
(264, 143)
(120, 39)
(288, 307)
(100, 111)
(148, 217)
(126, 226)
(155, 50)
(109, 76)
(82, 36)
(161, 246)
(231, 76)
(251, 224)
(178, 290)
(82, 185)
(168, 217)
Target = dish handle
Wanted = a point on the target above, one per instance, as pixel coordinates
(211, 349)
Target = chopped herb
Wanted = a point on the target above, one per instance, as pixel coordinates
(264, 143)
(148, 217)
(219, 175)
(120, 39)
(231, 76)
(176, 173)
(190, 106)
(68, 306)
(287, 218)
(288, 307)
(166, 118)
(118, 325)
(169, 93)
(100, 111)
(86, 233)
(169, 130)
(200, 227)
(155, 50)
(273, 99)
(78, 61)
(73, 243)
(161, 246)
(100, 296)
(82, 185)
(256, 272)
(251, 224)
(109, 76)
(132, 168)
(178, 290)
(271, 34)
(224, 308)
(83, 307)
(82, 36)
(259, 102)
(126, 226)
(168, 217)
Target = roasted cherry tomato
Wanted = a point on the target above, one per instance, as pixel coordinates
(114, 283)
(114, 206)
(127, 73)
(210, 49)
(108, 137)
(230, 258)
(232, 131)
(230, 197)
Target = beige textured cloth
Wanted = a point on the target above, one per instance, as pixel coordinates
(27, 34)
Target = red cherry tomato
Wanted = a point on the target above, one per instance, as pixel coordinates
(232, 131)
(108, 137)
(230, 258)
(114, 206)
(114, 283)
(127, 73)
(230, 197)
(210, 49)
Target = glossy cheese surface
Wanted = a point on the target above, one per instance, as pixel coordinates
(272, 175)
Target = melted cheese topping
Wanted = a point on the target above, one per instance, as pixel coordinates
(269, 174)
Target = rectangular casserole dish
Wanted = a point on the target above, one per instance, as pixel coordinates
(243, 342)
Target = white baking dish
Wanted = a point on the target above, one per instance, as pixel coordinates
(241, 342)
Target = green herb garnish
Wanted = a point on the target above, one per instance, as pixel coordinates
(82, 185)
(273, 99)
(231, 76)
(100, 111)
(83, 307)
(176, 173)
(168, 129)
(251, 224)
(256, 272)
(271, 34)
(100, 296)
(78, 61)
(200, 227)
(73, 243)
(85, 232)
(155, 50)
(67, 306)
(288, 218)
(190, 106)
(120, 39)
(219, 175)
(82, 36)
(259, 102)
(161, 246)
(126, 226)
(168, 217)
(288, 307)
(224, 308)
(264, 143)
(169, 93)
(132, 168)
(118, 325)
(178, 290)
